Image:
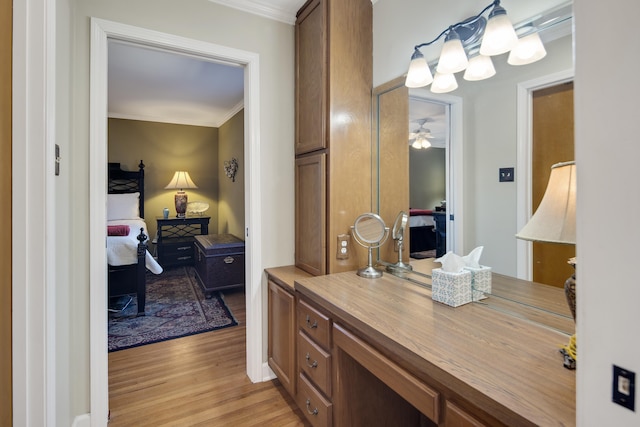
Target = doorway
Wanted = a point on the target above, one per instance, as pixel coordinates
(101, 31)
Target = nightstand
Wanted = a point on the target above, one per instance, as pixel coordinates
(176, 237)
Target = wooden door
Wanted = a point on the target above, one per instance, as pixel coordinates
(553, 142)
(5, 212)
(281, 350)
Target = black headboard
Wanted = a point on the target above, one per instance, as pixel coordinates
(121, 182)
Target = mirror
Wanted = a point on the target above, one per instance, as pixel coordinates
(370, 231)
(488, 137)
(397, 234)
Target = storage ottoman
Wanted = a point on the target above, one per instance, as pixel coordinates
(219, 262)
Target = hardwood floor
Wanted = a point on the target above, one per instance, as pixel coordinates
(196, 381)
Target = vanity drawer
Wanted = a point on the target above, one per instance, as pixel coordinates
(315, 324)
(317, 409)
(314, 362)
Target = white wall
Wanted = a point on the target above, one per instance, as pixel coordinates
(200, 20)
(607, 153)
(489, 114)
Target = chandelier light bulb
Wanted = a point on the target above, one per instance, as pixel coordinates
(499, 36)
(480, 68)
(452, 57)
(443, 83)
(528, 50)
(419, 74)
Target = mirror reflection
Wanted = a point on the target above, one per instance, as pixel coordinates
(454, 195)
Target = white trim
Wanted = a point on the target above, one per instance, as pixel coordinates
(261, 8)
(101, 30)
(524, 267)
(33, 214)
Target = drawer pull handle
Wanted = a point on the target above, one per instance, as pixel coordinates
(311, 365)
(184, 248)
(229, 260)
(315, 410)
(311, 325)
(182, 258)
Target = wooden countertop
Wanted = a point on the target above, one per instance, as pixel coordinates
(508, 366)
(286, 275)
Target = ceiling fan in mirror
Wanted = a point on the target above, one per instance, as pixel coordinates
(420, 138)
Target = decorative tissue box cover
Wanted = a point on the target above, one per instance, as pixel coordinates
(480, 281)
(453, 289)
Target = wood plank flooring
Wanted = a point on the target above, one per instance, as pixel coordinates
(196, 381)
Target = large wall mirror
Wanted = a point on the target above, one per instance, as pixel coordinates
(474, 131)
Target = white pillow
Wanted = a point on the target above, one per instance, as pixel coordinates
(123, 206)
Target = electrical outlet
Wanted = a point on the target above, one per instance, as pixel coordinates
(344, 246)
(624, 387)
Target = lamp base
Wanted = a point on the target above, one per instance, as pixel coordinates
(181, 204)
(570, 290)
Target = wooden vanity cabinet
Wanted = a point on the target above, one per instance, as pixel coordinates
(334, 75)
(314, 364)
(282, 328)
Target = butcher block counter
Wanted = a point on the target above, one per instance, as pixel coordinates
(425, 361)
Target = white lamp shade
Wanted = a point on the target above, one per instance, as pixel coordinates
(499, 36)
(419, 74)
(555, 219)
(443, 83)
(452, 57)
(528, 50)
(480, 68)
(180, 181)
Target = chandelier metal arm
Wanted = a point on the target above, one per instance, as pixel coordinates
(467, 21)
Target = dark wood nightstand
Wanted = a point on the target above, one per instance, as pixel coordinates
(176, 237)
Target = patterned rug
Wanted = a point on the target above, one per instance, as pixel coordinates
(176, 307)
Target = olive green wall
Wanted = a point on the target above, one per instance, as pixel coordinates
(231, 194)
(427, 182)
(166, 148)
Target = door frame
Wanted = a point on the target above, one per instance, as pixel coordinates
(524, 249)
(101, 31)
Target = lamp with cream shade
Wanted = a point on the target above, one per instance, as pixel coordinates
(181, 181)
(555, 222)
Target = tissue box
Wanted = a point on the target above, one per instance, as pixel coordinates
(480, 281)
(453, 289)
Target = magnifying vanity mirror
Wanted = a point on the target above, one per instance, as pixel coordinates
(484, 134)
(397, 234)
(369, 230)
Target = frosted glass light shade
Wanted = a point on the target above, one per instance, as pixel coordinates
(180, 181)
(528, 50)
(480, 67)
(419, 74)
(443, 83)
(452, 57)
(555, 219)
(499, 36)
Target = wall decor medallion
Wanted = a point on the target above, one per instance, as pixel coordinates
(230, 168)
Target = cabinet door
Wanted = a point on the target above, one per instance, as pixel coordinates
(282, 335)
(456, 417)
(311, 78)
(311, 215)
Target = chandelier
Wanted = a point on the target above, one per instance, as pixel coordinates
(469, 45)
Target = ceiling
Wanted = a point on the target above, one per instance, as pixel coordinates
(155, 85)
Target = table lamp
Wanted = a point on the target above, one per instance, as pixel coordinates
(180, 181)
(555, 221)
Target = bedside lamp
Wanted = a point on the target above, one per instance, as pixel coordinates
(555, 222)
(180, 181)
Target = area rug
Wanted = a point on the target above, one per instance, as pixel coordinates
(176, 307)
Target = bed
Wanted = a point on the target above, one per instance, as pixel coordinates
(128, 258)
(422, 236)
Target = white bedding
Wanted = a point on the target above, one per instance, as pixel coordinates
(420, 220)
(123, 250)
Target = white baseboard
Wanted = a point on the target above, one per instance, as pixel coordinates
(267, 373)
(83, 420)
